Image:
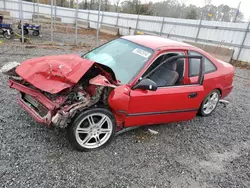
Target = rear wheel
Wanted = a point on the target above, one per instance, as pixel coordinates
(210, 103)
(35, 33)
(92, 129)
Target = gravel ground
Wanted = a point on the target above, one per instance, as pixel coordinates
(205, 152)
(64, 36)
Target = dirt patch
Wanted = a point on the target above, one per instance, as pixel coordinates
(63, 29)
(241, 64)
(142, 135)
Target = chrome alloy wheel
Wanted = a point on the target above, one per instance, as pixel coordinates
(94, 130)
(211, 102)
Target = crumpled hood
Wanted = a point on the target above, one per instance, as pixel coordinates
(54, 73)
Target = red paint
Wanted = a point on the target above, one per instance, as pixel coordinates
(119, 98)
(91, 89)
(118, 101)
(51, 106)
(130, 107)
(163, 100)
(42, 120)
(54, 73)
(35, 94)
(221, 79)
(102, 81)
(108, 75)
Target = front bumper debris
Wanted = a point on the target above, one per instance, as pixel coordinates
(35, 103)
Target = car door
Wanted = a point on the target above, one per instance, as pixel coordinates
(166, 104)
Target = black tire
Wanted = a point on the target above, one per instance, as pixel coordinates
(35, 33)
(25, 31)
(7, 36)
(202, 111)
(79, 120)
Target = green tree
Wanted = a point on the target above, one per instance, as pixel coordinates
(71, 3)
(192, 14)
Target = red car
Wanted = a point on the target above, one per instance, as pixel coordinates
(130, 81)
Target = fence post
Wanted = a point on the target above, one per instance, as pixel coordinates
(98, 23)
(198, 32)
(34, 8)
(4, 5)
(199, 28)
(51, 21)
(76, 18)
(55, 8)
(21, 18)
(243, 41)
(38, 17)
(163, 20)
(102, 17)
(88, 16)
(137, 21)
(55, 15)
(116, 24)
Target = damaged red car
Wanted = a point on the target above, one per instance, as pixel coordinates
(130, 81)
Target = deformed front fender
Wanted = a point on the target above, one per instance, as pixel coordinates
(118, 101)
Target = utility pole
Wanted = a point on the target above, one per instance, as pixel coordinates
(51, 22)
(237, 12)
(76, 20)
(38, 12)
(21, 18)
(98, 24)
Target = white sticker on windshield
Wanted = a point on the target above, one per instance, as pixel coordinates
(141, 52)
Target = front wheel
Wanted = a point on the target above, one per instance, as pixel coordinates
(92, 129)
(7, 35)
(210, 103)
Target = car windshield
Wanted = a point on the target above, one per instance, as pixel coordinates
(125, 58)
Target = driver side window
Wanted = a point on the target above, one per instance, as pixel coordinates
(168, 74)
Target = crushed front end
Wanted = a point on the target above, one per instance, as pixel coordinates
(54, 109)
(53, 94)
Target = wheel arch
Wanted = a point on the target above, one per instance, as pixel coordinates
(220, 90)
(200, 111)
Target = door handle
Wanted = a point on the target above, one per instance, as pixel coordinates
(192, 95)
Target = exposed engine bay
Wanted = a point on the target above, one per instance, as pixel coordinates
(93, 88)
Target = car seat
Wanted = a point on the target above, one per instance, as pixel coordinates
(180, 70)
(166, 75)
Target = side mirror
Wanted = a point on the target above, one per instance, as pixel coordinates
(146, 84)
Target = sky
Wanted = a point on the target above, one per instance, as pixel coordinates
(244, 8)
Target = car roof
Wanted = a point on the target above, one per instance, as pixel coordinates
(155, 42)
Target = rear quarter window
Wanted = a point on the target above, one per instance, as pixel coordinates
(194, 65)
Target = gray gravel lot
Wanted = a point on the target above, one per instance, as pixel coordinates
(205, 152)
(63, 37)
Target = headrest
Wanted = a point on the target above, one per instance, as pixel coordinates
(171, 65)
(180, 61)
